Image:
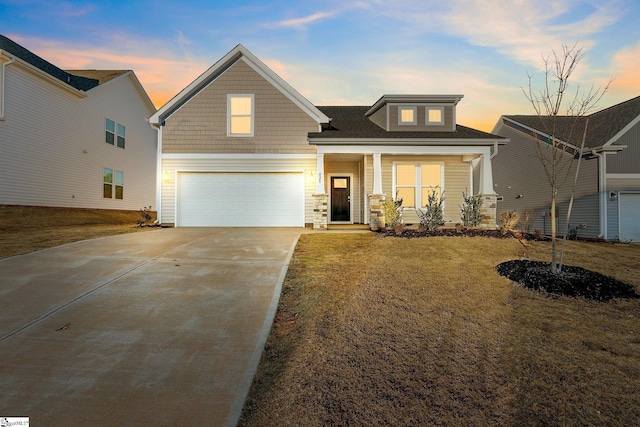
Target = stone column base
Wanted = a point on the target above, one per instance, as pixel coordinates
(320, 211)
(376, 216)
(488, 212)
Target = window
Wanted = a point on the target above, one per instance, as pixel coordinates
(414, 182)
(111, 178)
(121, 132)
(107, 179)
(435, 115)
(240, 115)
(407, 115)
(110, 133)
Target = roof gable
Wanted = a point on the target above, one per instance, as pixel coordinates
(239, 53)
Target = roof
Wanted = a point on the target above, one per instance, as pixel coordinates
(236, 54)
(605, 126)
(351, 122)
(78, 82)
(413, 99)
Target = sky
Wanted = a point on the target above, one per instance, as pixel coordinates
(343, 52)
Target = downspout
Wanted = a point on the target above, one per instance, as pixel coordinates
(158, 129)
(494, 152)
(2, 91)
(602, 192)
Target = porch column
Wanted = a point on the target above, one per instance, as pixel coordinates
(320, 172)
(320, 198)
(488, 210)
(486, 175)
(377, 173)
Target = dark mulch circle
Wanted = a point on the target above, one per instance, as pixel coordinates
(571, 281)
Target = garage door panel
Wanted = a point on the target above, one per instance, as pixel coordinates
(240, 199)
(629, 215)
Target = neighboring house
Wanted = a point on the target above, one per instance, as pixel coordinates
(240, 147)
(73, 138)
(607, 199)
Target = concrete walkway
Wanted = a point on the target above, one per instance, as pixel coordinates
(164, 327)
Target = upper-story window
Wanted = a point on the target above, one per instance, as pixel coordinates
(407, 115)
(435, 115)
(240, 113)
(113, 138)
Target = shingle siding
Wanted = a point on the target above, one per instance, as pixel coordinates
(200, 126)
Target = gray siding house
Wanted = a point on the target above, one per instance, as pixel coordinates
(607, 199)
(75, 138)
(240, 147)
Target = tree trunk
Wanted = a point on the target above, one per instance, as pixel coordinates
(554, 250)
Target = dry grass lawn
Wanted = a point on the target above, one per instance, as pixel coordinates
(26, 229)
(389, 331)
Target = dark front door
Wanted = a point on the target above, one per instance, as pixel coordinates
(340, 198)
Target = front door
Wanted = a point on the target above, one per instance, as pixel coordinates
(340, 199)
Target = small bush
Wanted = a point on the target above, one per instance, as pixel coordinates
(145, 216)
(509, 219)
(432, 216)
(470, 210)
(527, 220)
(393, 212)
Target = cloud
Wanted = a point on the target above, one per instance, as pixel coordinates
(299, 23)
(523, 30)
(626, 71)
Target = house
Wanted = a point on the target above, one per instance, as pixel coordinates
(240, 147)
(76, 139)
(607, 197)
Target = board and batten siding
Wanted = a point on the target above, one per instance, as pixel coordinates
(247, 165)
(421, 119)
(517, 170)
(200, 125)
(457, 178)
(53, 144)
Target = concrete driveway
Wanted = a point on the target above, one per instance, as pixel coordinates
(164, 327)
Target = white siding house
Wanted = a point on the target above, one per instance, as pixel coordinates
(55, 147)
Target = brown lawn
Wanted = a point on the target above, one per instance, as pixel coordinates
(389, 331)
(26, 229)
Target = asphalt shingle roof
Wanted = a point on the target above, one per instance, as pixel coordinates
(603, 124)
(351, 122)
(80, 79)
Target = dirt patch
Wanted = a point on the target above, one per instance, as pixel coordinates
(571, 281)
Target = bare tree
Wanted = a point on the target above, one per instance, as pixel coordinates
(561, 114)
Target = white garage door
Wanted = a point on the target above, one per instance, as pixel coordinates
(630, 216)
(240, 200)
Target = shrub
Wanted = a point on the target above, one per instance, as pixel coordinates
(470, 210)
(509, 219)
(145, 216)
(527, 220)
(432, 216)
(393, 212)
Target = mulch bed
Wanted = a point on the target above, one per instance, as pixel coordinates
(411, 233)
(571, 281)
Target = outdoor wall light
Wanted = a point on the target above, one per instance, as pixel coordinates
(613, 196)
(166, 176)
(310, 176)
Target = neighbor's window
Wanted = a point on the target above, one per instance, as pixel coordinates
(119, 181)
(121, 135)
(407, 115)
(110, 131)
(240, 115)
(107, 186)
(435, 115)
(111, 179)
(414, 182)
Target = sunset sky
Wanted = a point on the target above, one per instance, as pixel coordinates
(345, 52)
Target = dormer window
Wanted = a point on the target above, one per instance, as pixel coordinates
(407, 115)
(434, 116)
